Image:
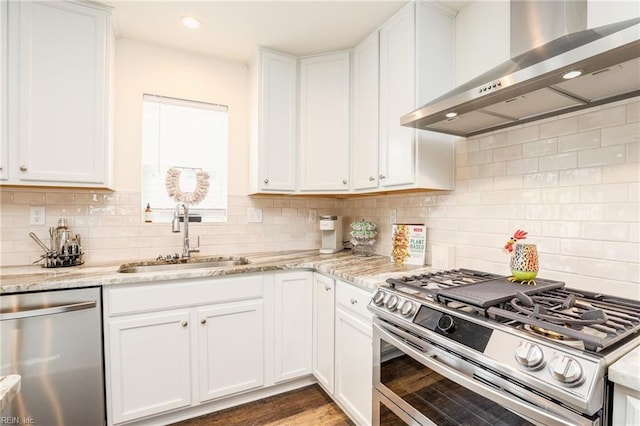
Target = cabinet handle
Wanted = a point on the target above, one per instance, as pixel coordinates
(327, 288)
(184, 324)
(353, 301)
(371, 178)
(203, 321)
(23, 168)
(382, 177)
(344, 181)
(266, 181)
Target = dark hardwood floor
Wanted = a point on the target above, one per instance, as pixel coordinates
(304, 406)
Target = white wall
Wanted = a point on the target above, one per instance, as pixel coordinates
(144, 68)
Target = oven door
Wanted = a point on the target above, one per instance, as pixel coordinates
(419, 383)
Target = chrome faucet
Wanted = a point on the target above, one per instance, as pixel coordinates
(175, 227)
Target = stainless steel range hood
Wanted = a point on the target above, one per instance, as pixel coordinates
(530, 86)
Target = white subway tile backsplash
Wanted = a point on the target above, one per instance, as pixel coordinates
(541, 180)
(542, 147)
(622, 212)
(568, 160)
(562, 126)
(493, 141)
(524, 134)
(579, 141)
(604, 231)
(576, 177)
(582, 212)
(525, 165)
(621, 252)
(604, 117)
(508, 153)
(629, 133)
(610, 193)
(602, 156)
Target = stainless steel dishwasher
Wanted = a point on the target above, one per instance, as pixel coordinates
(53, 340)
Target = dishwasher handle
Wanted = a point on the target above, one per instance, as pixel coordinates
(40, 311)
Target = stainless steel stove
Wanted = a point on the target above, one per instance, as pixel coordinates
(536, 354)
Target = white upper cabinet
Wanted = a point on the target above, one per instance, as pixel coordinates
(397, 97)
(59, 62)
(4, 135)
(274, 122)
(416, 64)
(364, 136)
(324, 122)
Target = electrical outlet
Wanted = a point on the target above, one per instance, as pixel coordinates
(254, 215)
(313, 216)
(393, 216)
(37, 216)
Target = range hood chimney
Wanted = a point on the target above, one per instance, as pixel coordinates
(549, 39)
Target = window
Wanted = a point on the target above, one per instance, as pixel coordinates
(187, 136)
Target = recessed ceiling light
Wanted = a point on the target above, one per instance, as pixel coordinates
(572, 74)
(451, 114)
(190, 22)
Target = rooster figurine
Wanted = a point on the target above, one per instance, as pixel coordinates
(518, 235)
(524, 259)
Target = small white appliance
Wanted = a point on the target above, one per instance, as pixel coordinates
(331, 228)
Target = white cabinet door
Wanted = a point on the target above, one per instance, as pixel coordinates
(323, 330)
(364, 140)
(324, 122)
(230, 348)
(59, 69)
(274, 139)
(293, 325)
(354, 364)
(397, 97)
(150, 364)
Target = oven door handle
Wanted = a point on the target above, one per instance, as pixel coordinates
(431, 361)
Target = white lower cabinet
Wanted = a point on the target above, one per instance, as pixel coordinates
(353, 352)
(292, 325)
(176, 346)
(150, 364)
(323, 330)
(342, 347)
(230, 348)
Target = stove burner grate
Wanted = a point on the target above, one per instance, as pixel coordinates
(599, 321)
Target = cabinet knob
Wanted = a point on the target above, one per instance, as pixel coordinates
(23, 168)
(371, 178)
(353, 301)
(203, 321)
(344, 181)
(184, 324)
(327, 288)
(382, 177)
(266, 181)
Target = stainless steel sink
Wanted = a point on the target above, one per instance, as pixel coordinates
(209, 262)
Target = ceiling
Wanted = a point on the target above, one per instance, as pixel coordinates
(232, 29)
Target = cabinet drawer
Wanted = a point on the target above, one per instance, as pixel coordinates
(353, 298)
(143, 298)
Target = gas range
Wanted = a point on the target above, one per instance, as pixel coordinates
(575, 318)
(556, 341)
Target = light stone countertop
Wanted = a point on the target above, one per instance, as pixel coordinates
(626, 371)
(364, 272)
(9, 388)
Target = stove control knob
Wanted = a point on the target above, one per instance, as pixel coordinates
(392, 303)
(530, 356)
(447, 324)
(378, 298)
(566, 370)
(407, 308)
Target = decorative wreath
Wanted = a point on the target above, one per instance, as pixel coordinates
(172, 183)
